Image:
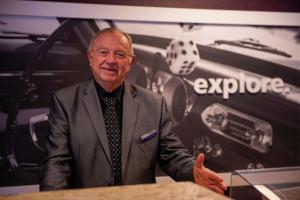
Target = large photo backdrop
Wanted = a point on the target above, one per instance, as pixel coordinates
(233, 91)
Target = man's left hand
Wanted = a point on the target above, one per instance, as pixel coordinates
(207, 178)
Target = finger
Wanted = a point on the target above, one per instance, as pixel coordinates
(216, 189)
(222, 185)
(213, 175)
(200, 160)
(205, 176)
(212, 182)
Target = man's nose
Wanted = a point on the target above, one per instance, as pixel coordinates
(111, 58)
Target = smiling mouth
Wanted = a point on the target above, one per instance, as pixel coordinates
(109, 71)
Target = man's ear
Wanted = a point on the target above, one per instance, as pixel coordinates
(89, 55)
(133, 60)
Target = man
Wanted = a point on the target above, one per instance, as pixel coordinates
(93, 143)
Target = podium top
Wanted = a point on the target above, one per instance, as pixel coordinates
(169, 191)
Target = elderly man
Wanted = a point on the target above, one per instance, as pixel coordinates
(106, 131)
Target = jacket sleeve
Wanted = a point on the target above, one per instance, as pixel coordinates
(56, 170)
(174, 158)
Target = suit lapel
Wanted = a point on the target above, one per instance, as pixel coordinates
(92, 104)
(130, 112)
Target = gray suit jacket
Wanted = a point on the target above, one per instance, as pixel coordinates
(78, 151)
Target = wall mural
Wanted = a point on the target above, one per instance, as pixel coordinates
(233, 91)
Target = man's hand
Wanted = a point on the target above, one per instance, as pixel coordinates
(207, 178)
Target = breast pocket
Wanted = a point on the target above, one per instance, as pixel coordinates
(146, 144)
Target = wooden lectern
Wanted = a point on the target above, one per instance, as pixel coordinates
(169, 191)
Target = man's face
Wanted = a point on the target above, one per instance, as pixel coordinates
(110, 59)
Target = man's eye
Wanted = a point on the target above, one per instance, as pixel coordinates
(102, 52)
(120, 54)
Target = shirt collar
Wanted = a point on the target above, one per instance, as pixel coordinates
(116, 93)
